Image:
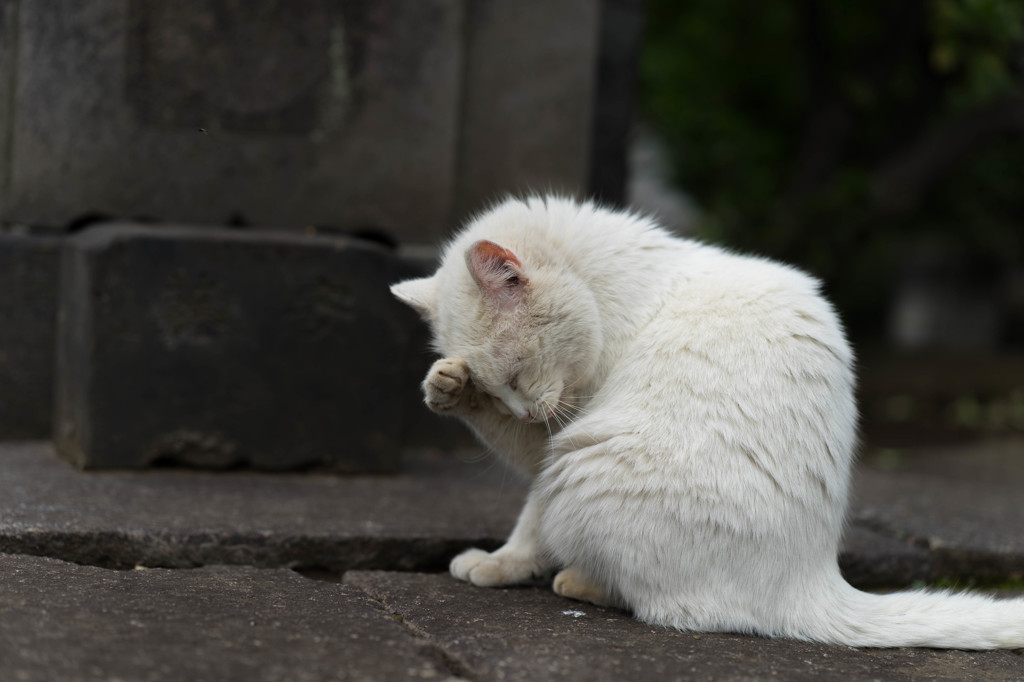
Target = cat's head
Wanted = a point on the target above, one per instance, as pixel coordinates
(527, 328)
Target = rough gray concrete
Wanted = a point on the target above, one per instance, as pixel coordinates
(60, 621)
(416, 520)
(204, 115)
(214, 111)
(29, 275)
(531, 634)
(29, 269)
(214, 348)
(67, 621)
(962, 504)
(8, 68)
(437, 506)
(527, 114)
(869, 558)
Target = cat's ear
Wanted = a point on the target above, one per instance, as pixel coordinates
(419, 294)
(497, 272)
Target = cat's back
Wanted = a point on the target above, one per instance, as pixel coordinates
(738, 345)
(738, 303)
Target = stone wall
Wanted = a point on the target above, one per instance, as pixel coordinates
(369, 113)
(302, 124)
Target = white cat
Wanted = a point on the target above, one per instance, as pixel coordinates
(688, 418)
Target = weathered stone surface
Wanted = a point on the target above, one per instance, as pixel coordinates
(531, 634)
(69, 622)
(284, 113)
(66, 622)
(29, 268)
(8, 64)
(527, 113)
(870, 559)
(963, 505)
(214, 347)
(415, 520)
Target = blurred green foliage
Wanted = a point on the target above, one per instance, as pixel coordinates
(834, 134)
(979, 38)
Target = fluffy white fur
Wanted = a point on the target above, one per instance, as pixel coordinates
(688, 418)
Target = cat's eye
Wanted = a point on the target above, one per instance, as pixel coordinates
(513, 383)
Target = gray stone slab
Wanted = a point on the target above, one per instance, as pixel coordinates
(527, 112)
(8, 68)
(532, 634)
(219, 347)
(415, 520)
(963, 504)
(29, 269)
(285, 113)
(871, 559)
(60, 621)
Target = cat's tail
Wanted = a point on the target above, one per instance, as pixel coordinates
(919, 618)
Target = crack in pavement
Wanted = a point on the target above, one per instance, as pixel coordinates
(459, 669)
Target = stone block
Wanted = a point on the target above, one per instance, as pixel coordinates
(437, 505)
(216, 347)
(278, 112)
(29, 268)
(527, 112)
(8, 62)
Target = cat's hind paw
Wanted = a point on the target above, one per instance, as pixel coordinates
(445, 384)
(572, 584)
(493, 569)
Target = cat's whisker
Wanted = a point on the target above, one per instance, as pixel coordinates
(548, 427)
(558, 415)
(561, 424)
(572, 412)
(477, 456)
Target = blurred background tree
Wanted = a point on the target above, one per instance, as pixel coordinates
(840, 136)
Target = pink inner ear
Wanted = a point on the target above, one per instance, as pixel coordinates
(491, 252)
(496, 270)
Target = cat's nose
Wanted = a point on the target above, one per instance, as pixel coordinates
(526, 416)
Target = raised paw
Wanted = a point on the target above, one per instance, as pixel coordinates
(445, 384)
(572, 584)
(492, 569)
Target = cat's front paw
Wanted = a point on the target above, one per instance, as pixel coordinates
(446, 384)
(493, 569)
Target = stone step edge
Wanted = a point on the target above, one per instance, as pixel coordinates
(897, 565)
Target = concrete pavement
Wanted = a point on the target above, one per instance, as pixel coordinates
(314, 576)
